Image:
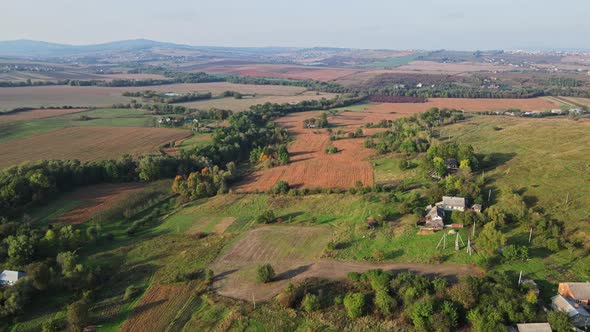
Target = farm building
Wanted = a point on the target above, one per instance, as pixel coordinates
(434, 217)
(453, 203)
(9, 277)
(576, 291)
(533, 327)
(576, 311)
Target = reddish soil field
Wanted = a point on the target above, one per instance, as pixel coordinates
(282, 71)
(95, 198)
(310, 166)
(453, 67)
(469, 105)
(87, 143)
(157, 308)
(36, 114)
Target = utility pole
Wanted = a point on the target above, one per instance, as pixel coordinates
(473, 233)
(489, 195)
(457, 242)
(520, 278)
(530, 235)
(469, 249)
(567, 198)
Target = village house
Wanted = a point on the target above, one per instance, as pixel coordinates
(579, 315)
(434, 217)
(533, 327)
(9, 277)
(579, 292)
(557, 111)
(453, 203)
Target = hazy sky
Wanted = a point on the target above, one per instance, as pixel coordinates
(392, 24)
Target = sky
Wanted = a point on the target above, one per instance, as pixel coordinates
(382, 24)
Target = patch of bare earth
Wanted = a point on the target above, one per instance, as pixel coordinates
(294, 254)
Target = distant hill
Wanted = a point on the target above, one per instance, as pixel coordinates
(32, 48)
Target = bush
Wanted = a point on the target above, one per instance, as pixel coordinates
(290, 297)
(53, 324)
(354, 276)
(560, 321)
(130, 292)
(281, 187)
(265, 273)
(77, 314)
(384, 302)
(267, 217)
(355, 304)
(310, 302)
(331, 150)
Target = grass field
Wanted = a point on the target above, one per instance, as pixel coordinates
(16, 129)
(245, 103)
(87, 143)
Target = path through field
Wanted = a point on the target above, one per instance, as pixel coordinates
(294, 252)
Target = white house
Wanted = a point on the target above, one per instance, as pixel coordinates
(9, 277)
(534, 327)
(453, 203)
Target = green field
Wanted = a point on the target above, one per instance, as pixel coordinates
(101, 117)
(393, 62)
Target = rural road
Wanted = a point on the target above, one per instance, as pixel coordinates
(231, 283)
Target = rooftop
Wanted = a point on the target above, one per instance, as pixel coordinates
(454, 201)
(580, 290)
(534, 327)
(562, 304)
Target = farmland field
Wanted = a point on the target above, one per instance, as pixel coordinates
(79, 206)
(38, 96)
(157, 308)
(281, 71)
(310, 166)
(87, 143)
(17, 129)
(37, 114)
(245, 103)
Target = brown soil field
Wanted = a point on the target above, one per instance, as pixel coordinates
(469, 105)
(282, 71)
(38, 96)
(453, 67)
(37, 114)
(310, 166)
(245, 103)
(87, 143)
(94, 199)
(294, 254)
(110, 77)
(157, 308)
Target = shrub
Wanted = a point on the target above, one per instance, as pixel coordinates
(354, 276)
(355, 304)
(331, 150)
(267, 217)
(281, 187)
(130, 292)
(310, 302)
(289, 297)
(265, 273)
(53, 324)
(77, 315)
(560, 321)
(384, 302)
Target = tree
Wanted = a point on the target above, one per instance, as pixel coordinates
(421, 314)
(560, 321)
(355, 304)
(281, 187)
(267, 217)
(310, 302)
(265, 273)
(52, 324)
(20, 248)
(490, 239)
(39, 275)
(67, 262)
(384, 302)
(77, 315)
